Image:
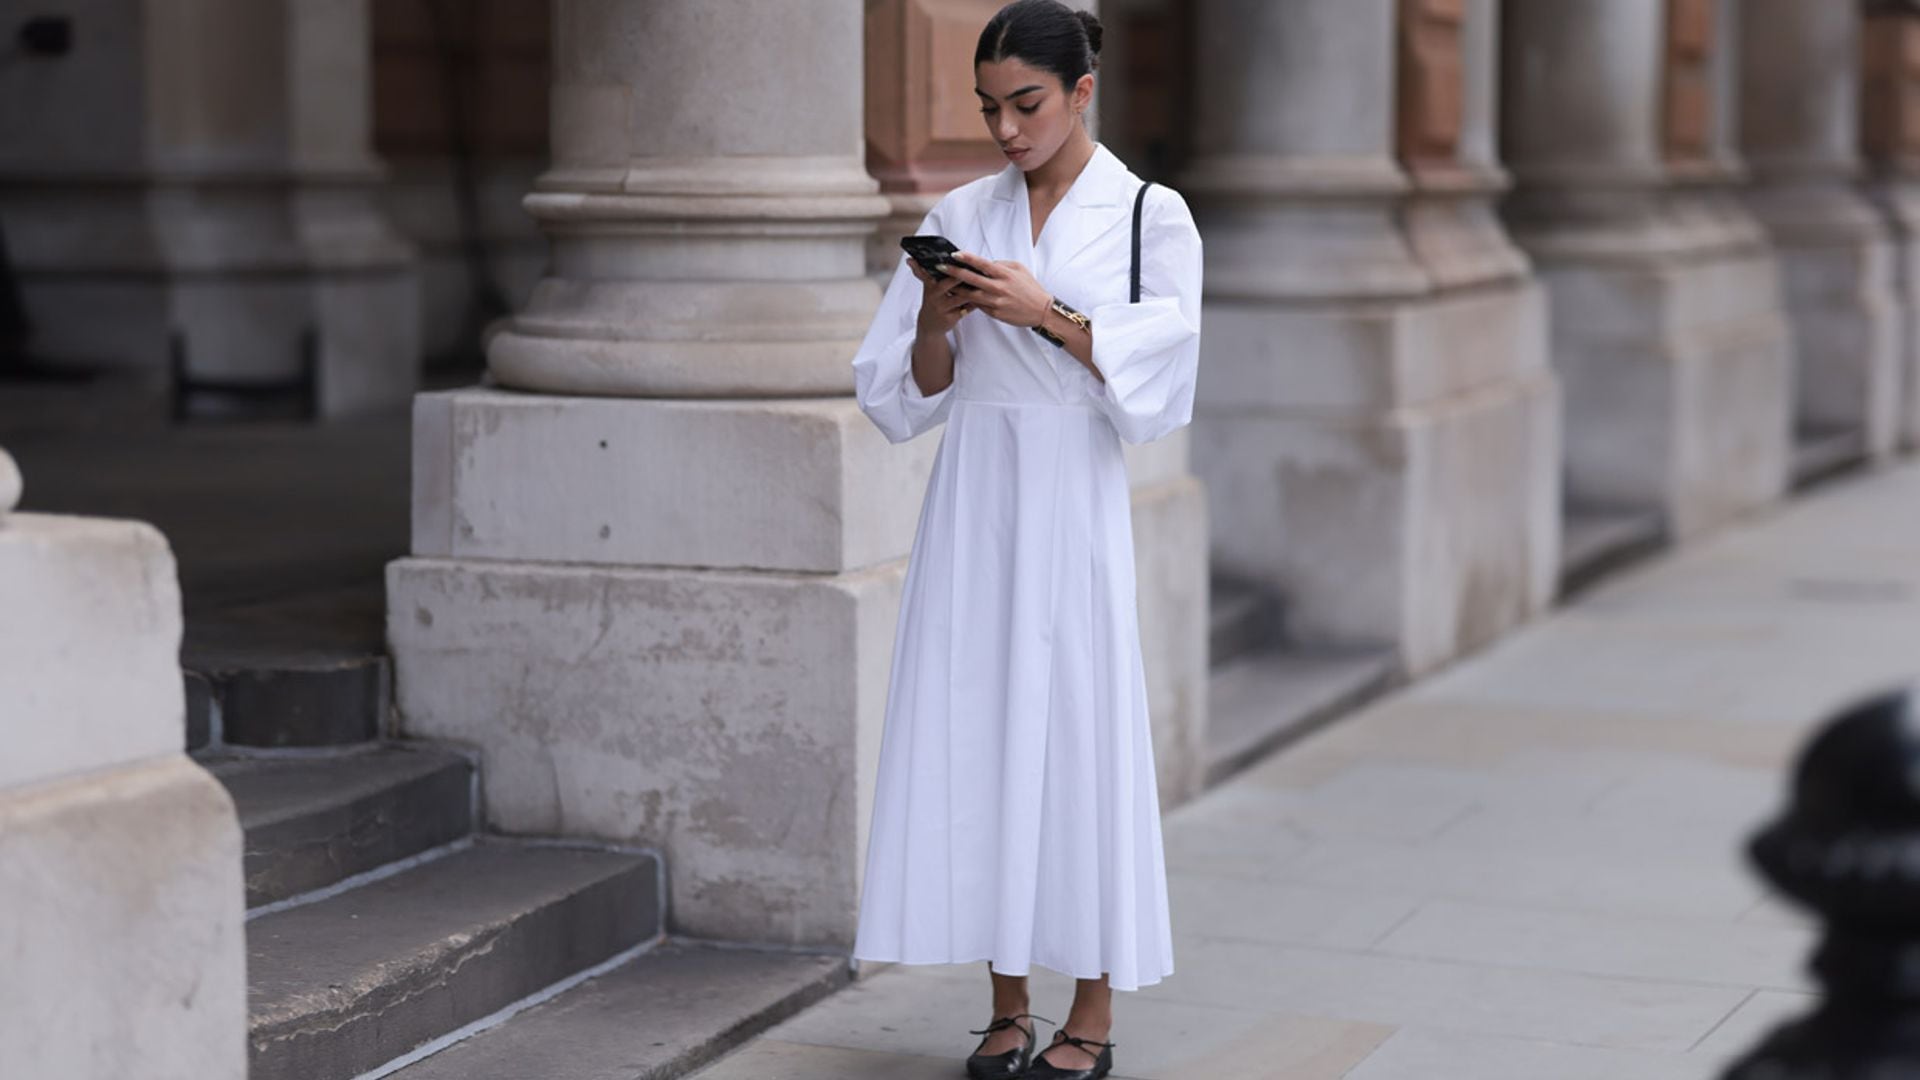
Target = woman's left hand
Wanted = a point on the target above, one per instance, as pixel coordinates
(1007, 291)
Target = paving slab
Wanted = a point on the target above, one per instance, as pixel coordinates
(1529, 865)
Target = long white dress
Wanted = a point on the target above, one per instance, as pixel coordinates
(1015, 815)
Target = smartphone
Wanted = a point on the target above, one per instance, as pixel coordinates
(931, 252)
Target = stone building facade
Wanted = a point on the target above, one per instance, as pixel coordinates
(1488, 281)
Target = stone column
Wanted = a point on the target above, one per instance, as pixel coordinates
(122, 924)
(1667, 330)
(1890, 142)
(1376, 425)
(663, 613)
(1799, 130)
(707, 205)
(203, 167)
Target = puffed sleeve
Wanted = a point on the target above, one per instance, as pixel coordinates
(883, 368)
(1149, 352)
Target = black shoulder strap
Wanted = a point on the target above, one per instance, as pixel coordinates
(1139, 204)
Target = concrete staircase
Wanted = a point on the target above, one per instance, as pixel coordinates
(387, 935)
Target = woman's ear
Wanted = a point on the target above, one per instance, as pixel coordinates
(1083, 93)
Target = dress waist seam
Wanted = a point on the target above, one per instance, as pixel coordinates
(1024, 404)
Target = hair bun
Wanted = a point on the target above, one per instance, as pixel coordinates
(1094, 30)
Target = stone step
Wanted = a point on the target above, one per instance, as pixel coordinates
(662, 1014)
(1594, 543)
(1263, 701)
(305, 670)
(311, 821)
(315, 701)
(346, 984)
(1822, 454)
(1241, 619)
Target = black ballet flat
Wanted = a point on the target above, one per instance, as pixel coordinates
(1012, 1063)
(1043, 1069)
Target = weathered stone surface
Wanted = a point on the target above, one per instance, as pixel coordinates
(346, 984)
(89, 646)
(1678, 376)
(121, 923)
(1390, 501)
(731, 720)
(805, 485)
(664, 1014)
(311, 821)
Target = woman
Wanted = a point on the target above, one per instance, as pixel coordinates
(1016, 818)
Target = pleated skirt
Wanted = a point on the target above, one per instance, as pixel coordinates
(1016, 817)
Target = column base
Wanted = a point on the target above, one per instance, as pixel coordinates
(1838, 262)
(728, 717)
(730, 720)
(1678, 378)
(1392, 469)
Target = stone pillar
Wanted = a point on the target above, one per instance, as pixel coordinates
(204, 167)
(1799, 130)
(1667, 330)
(1890, 142)
(707, 205)
(122, 924)
(1376, 423)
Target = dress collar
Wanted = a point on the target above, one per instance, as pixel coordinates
(1102, 181)
(1099, 198)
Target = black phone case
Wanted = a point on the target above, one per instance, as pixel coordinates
(930, 252)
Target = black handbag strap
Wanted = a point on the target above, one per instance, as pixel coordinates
(1139, 204)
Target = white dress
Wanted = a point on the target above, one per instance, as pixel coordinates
(1015, 815)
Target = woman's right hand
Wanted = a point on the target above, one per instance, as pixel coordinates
(943, 302)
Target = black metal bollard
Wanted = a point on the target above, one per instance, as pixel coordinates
(1848, 848)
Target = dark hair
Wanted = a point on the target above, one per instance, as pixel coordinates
(1046, 34)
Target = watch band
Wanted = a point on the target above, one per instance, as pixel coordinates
(1076, 318)
(1072, 316)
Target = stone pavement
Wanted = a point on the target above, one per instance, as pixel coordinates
(1526, 867)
